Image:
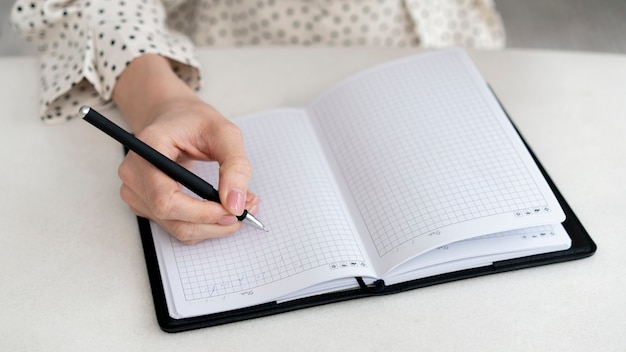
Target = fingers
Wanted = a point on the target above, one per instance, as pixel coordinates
(188, 219)
(252, 203)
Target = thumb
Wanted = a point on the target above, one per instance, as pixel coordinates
(234, 177)
(227, 147)
(235, 174)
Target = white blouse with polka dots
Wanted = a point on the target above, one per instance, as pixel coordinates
(85, 45)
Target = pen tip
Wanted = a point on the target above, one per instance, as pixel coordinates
(251, 220)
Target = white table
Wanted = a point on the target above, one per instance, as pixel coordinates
(73, 272)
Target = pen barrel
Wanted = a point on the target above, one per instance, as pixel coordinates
(185, 177)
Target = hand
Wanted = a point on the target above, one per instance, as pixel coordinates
(174, 121)
(184, 132)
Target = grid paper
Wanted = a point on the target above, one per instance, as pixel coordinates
(421, 149)
(299, 206)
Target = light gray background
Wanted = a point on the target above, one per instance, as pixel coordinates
(579, 25)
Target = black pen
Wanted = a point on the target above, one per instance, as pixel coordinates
(178, 173)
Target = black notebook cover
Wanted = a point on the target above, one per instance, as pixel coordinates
(582, 246)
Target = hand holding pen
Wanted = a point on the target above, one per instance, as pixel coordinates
(159, 197)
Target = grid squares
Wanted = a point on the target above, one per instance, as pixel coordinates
(422, 149)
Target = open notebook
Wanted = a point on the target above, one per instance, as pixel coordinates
(406, 174)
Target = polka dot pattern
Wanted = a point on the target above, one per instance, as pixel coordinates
(85, 45)
(305, 23)
(466, 23)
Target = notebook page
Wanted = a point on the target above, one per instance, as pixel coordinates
(299, 205)
(429, 157)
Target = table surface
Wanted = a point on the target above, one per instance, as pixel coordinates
(72, 267)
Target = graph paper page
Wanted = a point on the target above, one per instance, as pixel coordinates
(429, 157)
(310, 240)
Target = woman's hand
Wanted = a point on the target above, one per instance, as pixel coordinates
(167, 115)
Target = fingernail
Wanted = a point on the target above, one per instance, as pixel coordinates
(236, 202)
(227, 220)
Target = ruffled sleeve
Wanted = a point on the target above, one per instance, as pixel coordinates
(85, 46)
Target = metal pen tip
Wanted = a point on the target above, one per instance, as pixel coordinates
(251, 220)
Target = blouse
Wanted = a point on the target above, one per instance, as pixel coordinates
(85, 45)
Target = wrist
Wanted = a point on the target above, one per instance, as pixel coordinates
(146, 87)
